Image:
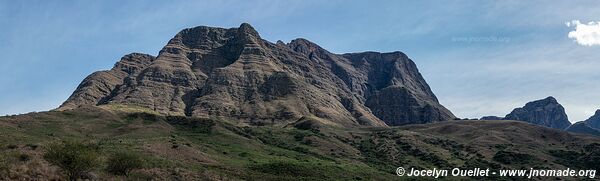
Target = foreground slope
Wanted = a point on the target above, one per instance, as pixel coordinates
(176, 147)
(234, 73)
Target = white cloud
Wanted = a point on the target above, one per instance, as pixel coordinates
(585, 34)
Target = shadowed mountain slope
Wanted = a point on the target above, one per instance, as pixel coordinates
(583, 128)
(594, 121)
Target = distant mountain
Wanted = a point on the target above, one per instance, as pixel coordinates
(234, 73)
(594, 121)
(583, 128)
(546, 112)
(491, 118)
(590, 126)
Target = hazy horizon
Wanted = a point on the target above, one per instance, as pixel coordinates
(479, 59)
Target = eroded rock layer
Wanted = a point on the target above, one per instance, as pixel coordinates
(234, 73)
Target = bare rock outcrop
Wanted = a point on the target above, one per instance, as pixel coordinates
(234, 73)
(546, 112)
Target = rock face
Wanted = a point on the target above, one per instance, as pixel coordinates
(233, 73)
(583, 128)
(594, 121)
(100, 86)
(590, 126)
(546, 112)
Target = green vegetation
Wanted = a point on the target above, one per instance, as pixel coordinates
(588, 158)
(115, 145)
(508, 157)
(299, 170)
(121, 163)
(195, 125)
(74, 158)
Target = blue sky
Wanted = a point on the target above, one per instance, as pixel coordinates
(479, 57)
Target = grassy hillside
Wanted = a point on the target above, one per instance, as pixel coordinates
(174, 147)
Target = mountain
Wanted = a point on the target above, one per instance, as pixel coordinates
(594, 121)
(235, 74)
(583, 128)
(546, 112)
(590, 126)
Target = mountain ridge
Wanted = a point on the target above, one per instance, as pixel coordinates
(590, 126)
(583, 128)
(234, 73)
(547, 112)
(594, 120)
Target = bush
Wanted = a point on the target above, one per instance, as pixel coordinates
(196, 125)
(122, 163)
(147, 117)
(292, 170)
(507, 157)
(24, 157)
(74, 158)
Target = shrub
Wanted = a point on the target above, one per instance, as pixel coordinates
(121, 163)
(24, 157)
(291, 170)
(196, 125)
(74, 158)
(308, 124)
(147, 117)
(507, 157)
(299, 136)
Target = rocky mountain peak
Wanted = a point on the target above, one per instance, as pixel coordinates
(233, 73)
(246, 29)
(594, 121)
(308, 48)
(134, 62)
(303, 45)
(96, 88)
(546, 112)
(543, 102)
